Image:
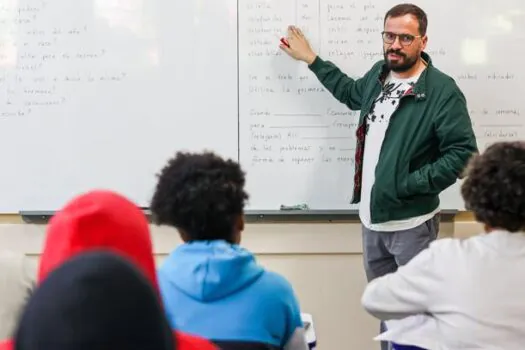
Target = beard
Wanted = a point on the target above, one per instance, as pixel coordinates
(403, 64)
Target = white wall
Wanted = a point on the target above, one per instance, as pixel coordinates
(323, 261)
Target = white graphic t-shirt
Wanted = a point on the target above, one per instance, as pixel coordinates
(377, 122)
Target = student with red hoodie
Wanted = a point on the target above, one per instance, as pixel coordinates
(104, 220)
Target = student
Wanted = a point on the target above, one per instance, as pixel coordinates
(17, 279)
(103, 220)
(211, 286)
(104, 303)
(471, 290)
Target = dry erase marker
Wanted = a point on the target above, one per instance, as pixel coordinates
(284, 42)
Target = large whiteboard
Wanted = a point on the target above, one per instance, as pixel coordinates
(297, 142)
(99, 93)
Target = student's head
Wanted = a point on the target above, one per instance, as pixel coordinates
(98, 220)
(404, 36)
(494, 188)
(94, 300)
(203, 196)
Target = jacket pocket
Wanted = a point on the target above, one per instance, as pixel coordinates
(408, 183)
(385, 195)
(408, 187)
(402, 187)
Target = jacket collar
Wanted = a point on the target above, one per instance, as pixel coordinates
(420, 88)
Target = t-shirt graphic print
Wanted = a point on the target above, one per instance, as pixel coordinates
(377, 122)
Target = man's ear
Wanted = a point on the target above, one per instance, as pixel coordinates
(424, 41)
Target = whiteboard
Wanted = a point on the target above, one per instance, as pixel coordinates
(297, 142)
(100, 93)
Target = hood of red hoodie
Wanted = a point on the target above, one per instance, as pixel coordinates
(99, 220)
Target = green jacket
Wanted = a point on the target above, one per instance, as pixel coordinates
(427, 145)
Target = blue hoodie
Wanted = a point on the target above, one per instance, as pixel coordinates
(217, 290)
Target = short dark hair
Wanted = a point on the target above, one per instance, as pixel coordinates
(201, 194)
(494, 189)
(410, 9)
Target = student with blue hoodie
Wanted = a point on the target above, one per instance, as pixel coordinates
(211, 286)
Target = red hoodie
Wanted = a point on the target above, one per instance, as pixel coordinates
(104, 220)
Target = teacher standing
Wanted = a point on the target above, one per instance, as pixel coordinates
(414, 138)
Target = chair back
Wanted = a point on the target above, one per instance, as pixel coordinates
(405, 347)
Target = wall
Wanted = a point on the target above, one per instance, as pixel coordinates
(321, 260)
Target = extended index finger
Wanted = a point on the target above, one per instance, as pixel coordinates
(293, 30)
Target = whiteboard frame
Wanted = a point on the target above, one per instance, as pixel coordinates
(287, 216)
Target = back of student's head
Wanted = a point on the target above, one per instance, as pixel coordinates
(96, 301)
(202, 195)
(494, 189)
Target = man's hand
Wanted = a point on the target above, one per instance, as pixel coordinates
(299, 48)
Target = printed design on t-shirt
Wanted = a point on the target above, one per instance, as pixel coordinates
(391, 93)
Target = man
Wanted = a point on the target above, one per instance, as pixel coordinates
(414, 138)
(399, 174)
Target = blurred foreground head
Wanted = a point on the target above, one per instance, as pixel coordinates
(95, 301)
(494, 189)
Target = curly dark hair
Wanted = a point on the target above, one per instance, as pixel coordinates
(494, 189)
(200, 194)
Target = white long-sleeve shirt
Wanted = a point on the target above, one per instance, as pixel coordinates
(468, 294)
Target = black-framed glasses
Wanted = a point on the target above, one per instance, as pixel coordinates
(404, 39)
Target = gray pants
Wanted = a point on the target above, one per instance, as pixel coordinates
(384, 252)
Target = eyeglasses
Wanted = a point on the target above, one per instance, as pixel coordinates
(404, 39)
